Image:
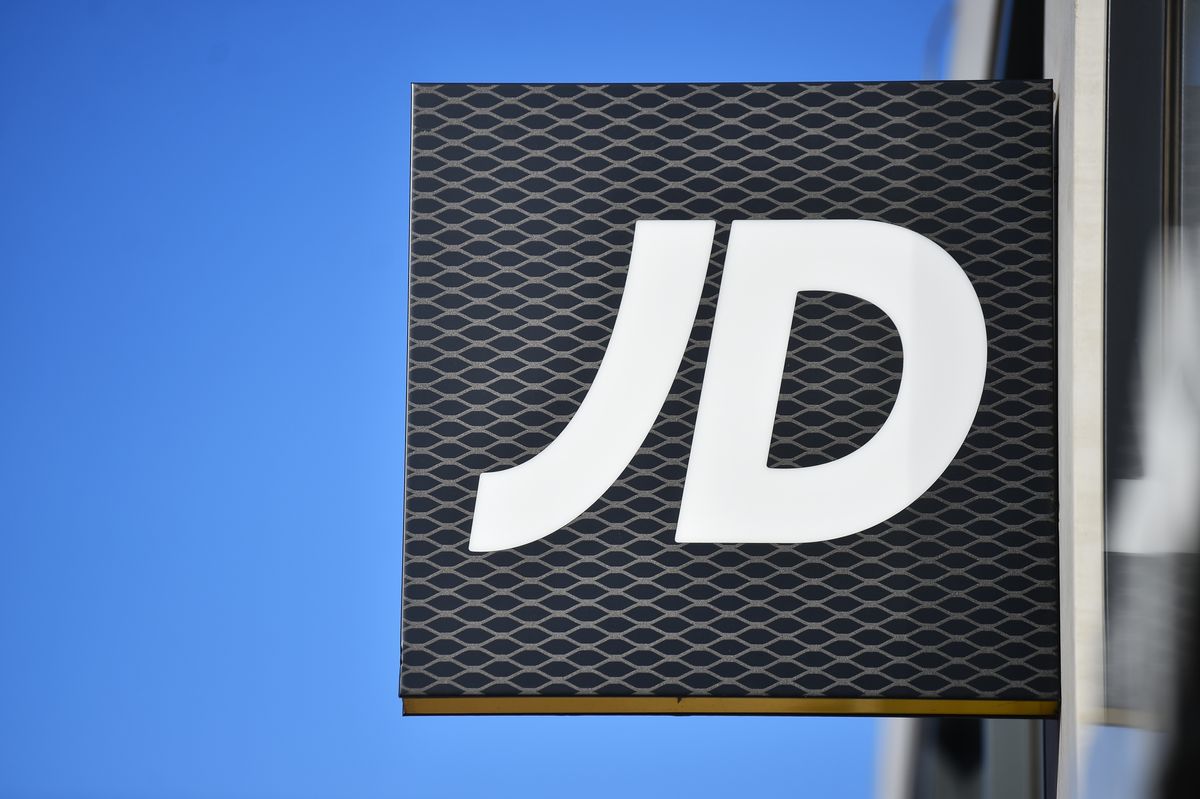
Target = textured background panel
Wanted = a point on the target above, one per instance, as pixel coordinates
(523, 205)
(839, 381)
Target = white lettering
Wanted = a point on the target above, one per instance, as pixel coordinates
(658, 308)
(730, 495)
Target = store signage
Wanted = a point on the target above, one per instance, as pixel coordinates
(731, 398)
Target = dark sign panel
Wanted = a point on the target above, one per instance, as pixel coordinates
(525, 200)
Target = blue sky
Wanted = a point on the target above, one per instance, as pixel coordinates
(203, 212)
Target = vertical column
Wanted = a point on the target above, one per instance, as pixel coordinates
(1075, 57)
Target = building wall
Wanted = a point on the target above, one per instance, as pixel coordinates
(1075, 58)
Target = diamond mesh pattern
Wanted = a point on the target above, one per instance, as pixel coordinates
(524, 199)
(839, 381)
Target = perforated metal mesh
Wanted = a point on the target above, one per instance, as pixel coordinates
(523, 204)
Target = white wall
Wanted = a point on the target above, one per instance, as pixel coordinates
(1075, 57)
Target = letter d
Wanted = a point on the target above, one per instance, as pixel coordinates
(730, 494)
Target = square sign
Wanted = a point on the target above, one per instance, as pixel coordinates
(731, 398)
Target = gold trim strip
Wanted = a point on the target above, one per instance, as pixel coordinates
(747, 705)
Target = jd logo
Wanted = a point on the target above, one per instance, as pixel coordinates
(730, 495)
